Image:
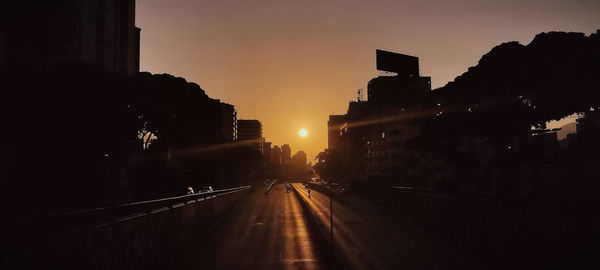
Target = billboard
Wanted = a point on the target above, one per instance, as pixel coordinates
(404, 65)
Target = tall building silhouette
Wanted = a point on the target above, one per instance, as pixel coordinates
(380, 145)
(401, 90)
(46, 35)
(267, 151)
(299, 158)
(229, 122)
(250, 130)
(333, 130)
(286, 154)
(397, 95)
(276, 155)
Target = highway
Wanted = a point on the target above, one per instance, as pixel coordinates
(365, 237)
(265, 231)
(271, 231)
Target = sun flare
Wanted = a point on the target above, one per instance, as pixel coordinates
(303, 132)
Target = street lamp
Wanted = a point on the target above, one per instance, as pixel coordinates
(331, 218)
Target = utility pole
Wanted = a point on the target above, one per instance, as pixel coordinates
(331, 218)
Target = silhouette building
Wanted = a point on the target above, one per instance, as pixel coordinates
(229, 122)
(399, 91)
(267, 151)
(299, 159)
(333, 130)
(250, 130)
(298, 169)
(380, 144)
(276, 155)
(46, 35)
(391, 97)
(286, 154)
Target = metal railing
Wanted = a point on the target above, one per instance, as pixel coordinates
(271, 186)
(62, 224)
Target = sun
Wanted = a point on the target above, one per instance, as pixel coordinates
(303, 132)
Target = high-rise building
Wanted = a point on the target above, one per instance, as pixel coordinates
(267, 151)
(392, 98)
(397, 92)
(45, 35)
(276, 155)
(251, 132)
(229, 122)
(299, 159)
(286, 154)
(333, 130)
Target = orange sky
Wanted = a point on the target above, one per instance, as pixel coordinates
(292, 63)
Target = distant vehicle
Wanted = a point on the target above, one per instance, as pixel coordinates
(288, 187)
(345, 188)
(190, 190)
(205, 189)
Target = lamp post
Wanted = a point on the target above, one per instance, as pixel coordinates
(331, 218)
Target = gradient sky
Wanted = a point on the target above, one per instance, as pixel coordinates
(292, 63)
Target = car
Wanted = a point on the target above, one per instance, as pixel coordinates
(345, 189)
(205, 189)
(190, 190)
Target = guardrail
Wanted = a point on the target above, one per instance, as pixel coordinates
(411, 189)
(58, 225)
(271, 186)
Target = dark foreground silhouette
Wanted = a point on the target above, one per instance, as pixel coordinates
(81, 137)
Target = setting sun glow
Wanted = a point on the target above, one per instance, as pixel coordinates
(303, 132)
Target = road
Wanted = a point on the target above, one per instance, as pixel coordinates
(266, 231)
(365, 238)
(270, 231)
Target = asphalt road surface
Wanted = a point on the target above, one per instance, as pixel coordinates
(270, 231)
(266, 231)
(366, 238)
